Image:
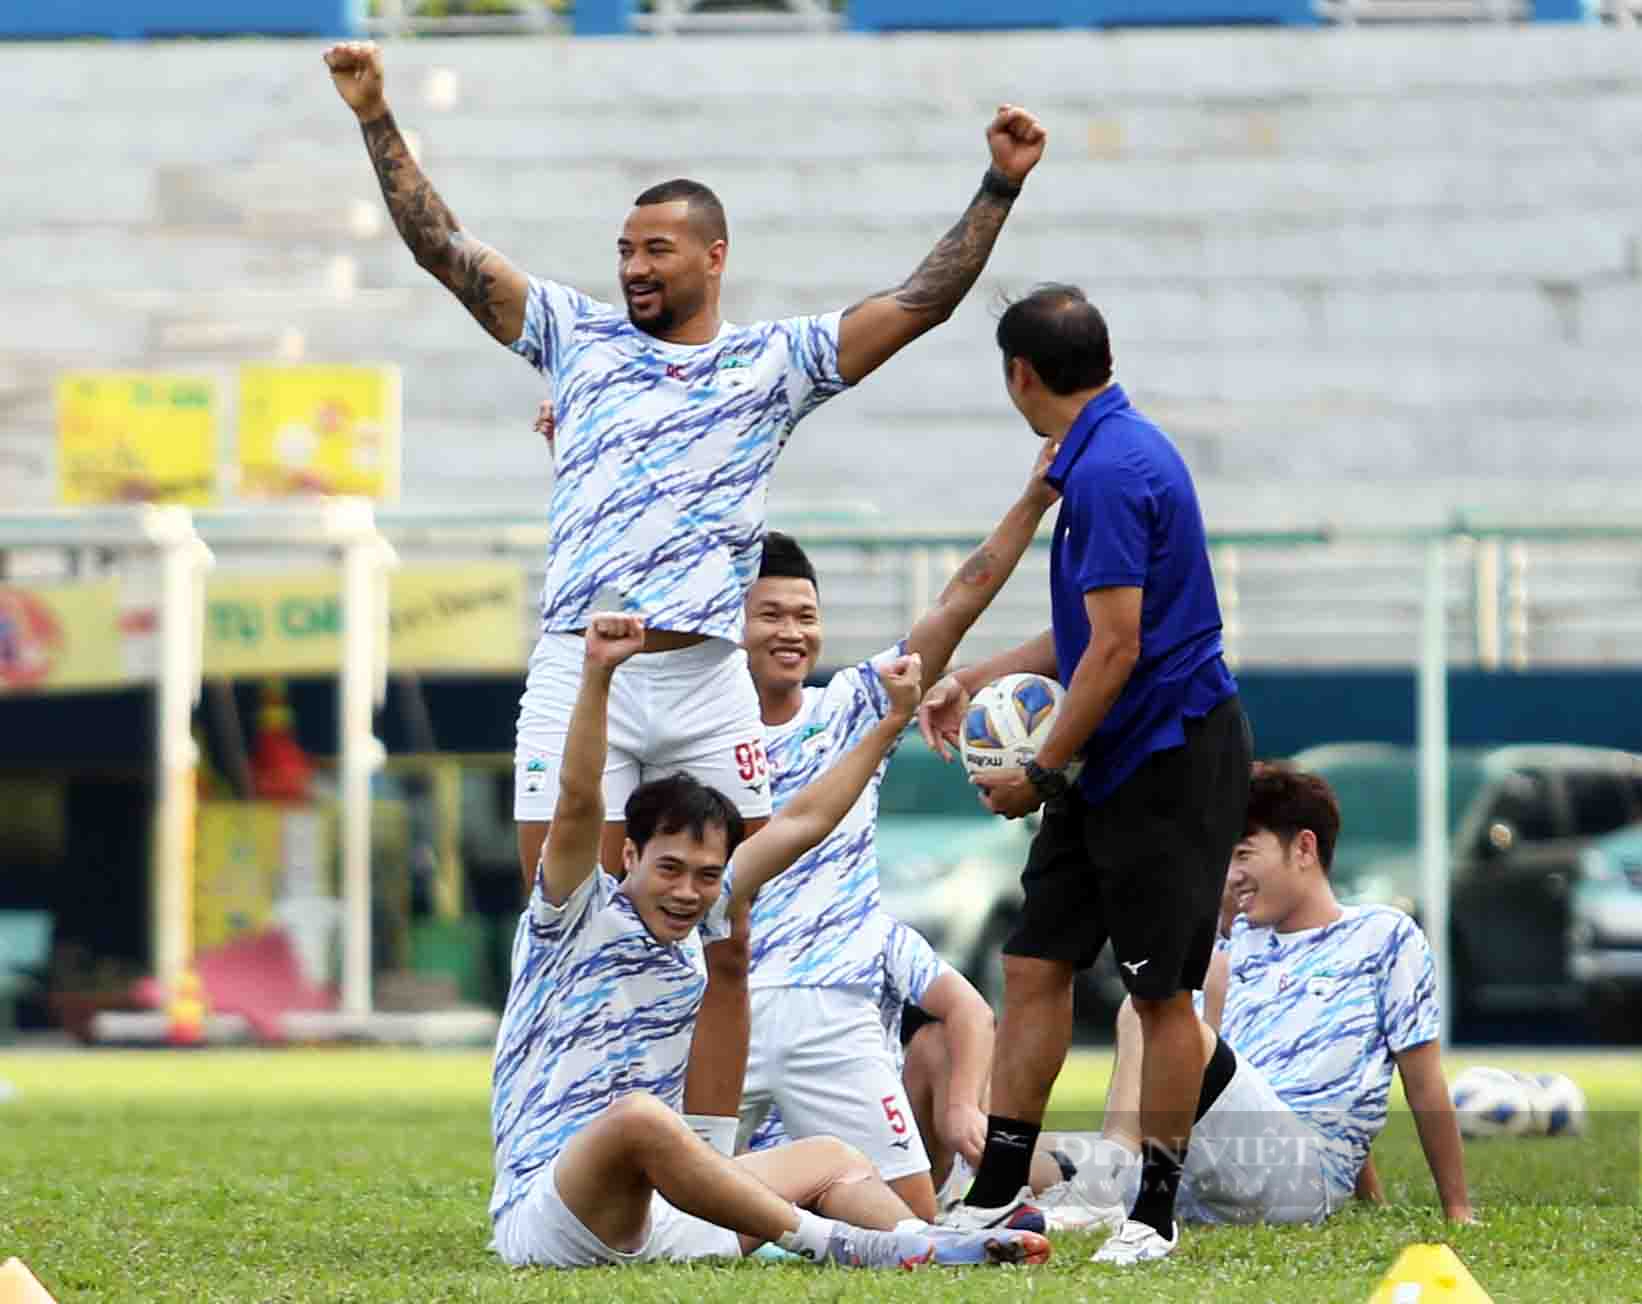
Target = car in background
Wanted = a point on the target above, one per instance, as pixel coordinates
(1521, 818)
(952, 871)
(1605, 932)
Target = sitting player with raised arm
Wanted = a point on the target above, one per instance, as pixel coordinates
(594, 1165)
(1307, 1008)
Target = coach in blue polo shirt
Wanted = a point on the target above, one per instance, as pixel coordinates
(1136, 848)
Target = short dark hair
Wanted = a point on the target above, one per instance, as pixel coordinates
(1061, 334)
(706, 213)
(785, 560)
(681, 803)
(1283, 800)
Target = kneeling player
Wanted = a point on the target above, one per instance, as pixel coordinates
(594, 1165)
(1316, 1004)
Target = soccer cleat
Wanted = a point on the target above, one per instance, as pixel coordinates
(914, 1244)
(1066, 1207)
(999, 1245)
(1136, 1242)
(1021, 1214)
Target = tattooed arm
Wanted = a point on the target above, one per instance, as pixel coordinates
(488, 285)
(974, 584)
(875, 329)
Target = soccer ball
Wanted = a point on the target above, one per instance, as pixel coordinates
(1492, 1102)
(1559, 1104)
(1007, 723)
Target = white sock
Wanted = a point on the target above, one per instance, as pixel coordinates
(716, 1130)
(809, 1240)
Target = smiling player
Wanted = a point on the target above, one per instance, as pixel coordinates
(594, 1165)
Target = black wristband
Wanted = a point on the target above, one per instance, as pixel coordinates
(994, 183)
(1051, 785)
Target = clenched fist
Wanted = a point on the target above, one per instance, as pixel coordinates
(1016, 139)
(356, 71)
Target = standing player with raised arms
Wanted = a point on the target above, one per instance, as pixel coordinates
(669, 424)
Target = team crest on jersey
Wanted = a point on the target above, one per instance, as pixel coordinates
(735, 371)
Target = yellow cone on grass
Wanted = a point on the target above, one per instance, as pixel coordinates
(20, 1286)
(1428, 1274)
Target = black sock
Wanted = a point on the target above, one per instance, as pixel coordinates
(1217, 1076)
(1159, 1182)
(1006, 1162)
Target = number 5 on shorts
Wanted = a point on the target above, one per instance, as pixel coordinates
(897, 1120)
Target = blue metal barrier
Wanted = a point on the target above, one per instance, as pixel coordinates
(135, 19)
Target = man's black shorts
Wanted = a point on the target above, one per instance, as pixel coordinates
(1144, 867)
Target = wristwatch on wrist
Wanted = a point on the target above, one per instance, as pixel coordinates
(1051, 784)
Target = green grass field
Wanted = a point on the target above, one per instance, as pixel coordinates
(363, 1175)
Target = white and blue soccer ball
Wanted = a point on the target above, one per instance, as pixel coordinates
(1494, 1102)
(1007, 722)
(1559, 1104)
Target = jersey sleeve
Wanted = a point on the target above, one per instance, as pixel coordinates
(551, 313)
(860, 683)
(715, 925)
(555, 925)
(911, 966)
(1110, 539)
(1409, 1014)
(812, 376)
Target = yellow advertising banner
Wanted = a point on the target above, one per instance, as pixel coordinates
(462, 616)
(55, 637)
(319, 430)
(136, 436)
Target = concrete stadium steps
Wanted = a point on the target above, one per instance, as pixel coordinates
(1359, 275)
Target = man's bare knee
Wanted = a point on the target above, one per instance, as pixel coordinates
(1028, 981)
(644, 1119)
(925, 1060)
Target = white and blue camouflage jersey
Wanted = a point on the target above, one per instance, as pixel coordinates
(597, 1009)
(819, 924)
(663, 455)
(1321, 1012)
(909, 969)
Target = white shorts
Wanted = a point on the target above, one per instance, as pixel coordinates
(540, 1229)
(1251, 1159)
(694, 710)
(818, 1054)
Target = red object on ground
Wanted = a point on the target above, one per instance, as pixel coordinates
(280, 769)
(258, 978)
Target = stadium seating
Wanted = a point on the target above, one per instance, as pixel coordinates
(1360, 276)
